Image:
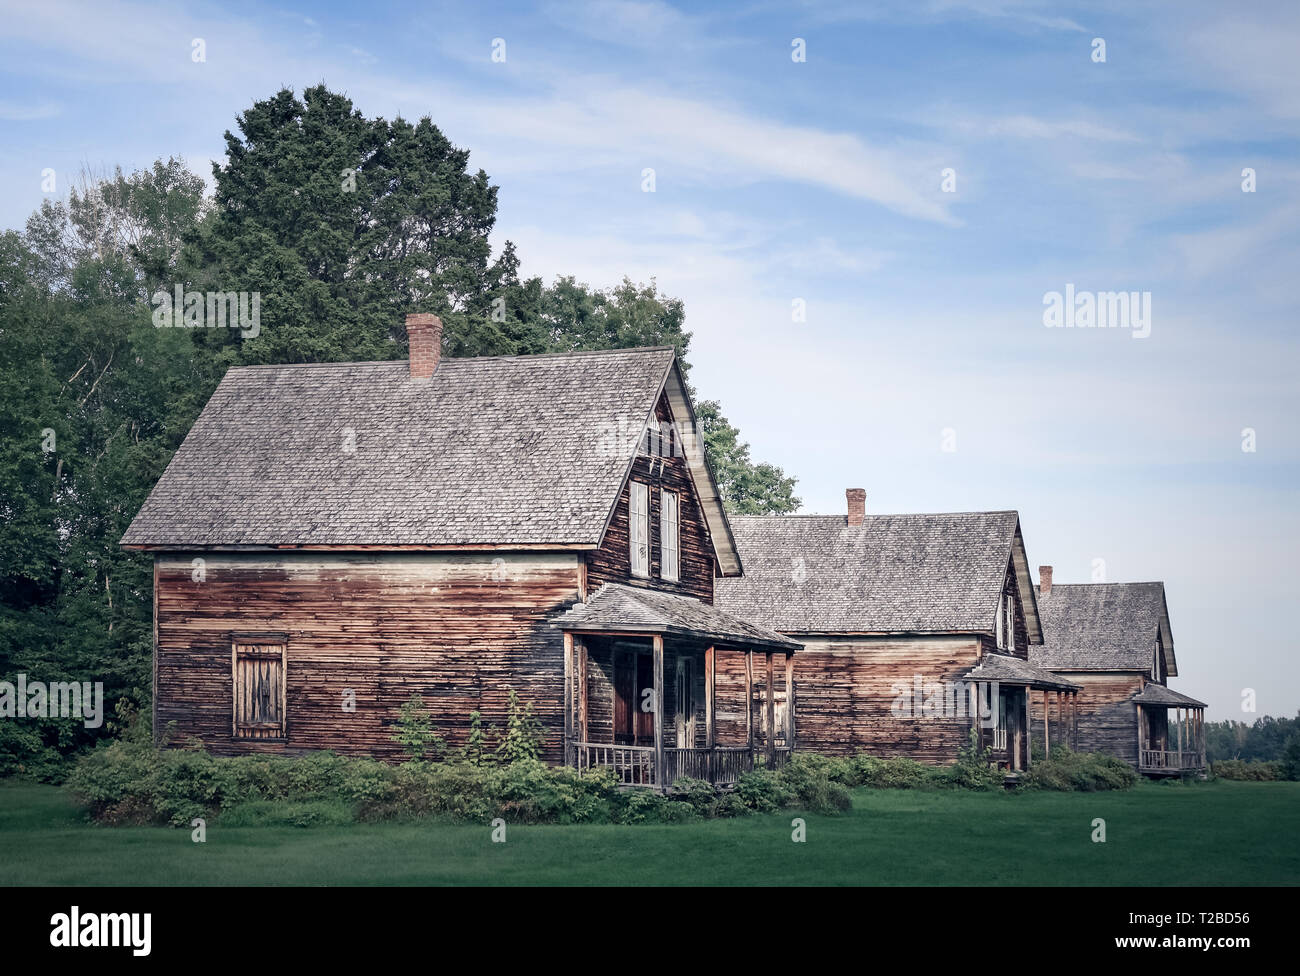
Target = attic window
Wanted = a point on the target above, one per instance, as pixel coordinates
(638, 505)
(658, 440)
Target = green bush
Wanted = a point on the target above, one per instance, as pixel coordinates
(763, 791)
(897, 773)
(1243, 769)
(818, 782)
(1086, 772)
(415, 732)
(974, 768)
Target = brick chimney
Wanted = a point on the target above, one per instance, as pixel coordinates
(1045, 580)
(857, 504)
(424, 335)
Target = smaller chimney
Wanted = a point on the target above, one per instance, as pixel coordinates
(1045, 580)
(857, 504)
(424, 335)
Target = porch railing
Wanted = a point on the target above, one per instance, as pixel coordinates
(1166, 759)
(635, 765)
(1000, 738)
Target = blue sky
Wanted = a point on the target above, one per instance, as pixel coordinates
(821, 181)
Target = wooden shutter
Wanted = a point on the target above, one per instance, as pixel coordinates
(1001, 623)
(639, 528)
(668, 536)
(258, 690)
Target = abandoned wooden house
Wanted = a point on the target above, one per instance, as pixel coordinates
(906, 620)
(331, 539)
(1114, 641)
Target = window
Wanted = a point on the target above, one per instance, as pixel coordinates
(659, 441)
(258, 689)
(1011, 624)
(1001, 625)
(668, 535)
(638, 504)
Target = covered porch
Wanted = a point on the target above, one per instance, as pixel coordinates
(1170, 732)
(1018, 694)
(659, 687)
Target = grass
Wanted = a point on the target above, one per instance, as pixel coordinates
(1219, 833)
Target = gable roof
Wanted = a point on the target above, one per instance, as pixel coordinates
(814, 574)
(622, 608)
(1158, 694)
(1104, 627)
(492, 451)
(1010, 670)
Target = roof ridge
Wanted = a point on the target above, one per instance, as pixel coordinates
(571, 354)
(875, 515)
(1113, 583)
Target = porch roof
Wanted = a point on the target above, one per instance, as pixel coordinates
(1017, 671)
(1156, 694)
(618, 608)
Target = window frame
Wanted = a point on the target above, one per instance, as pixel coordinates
(638, 519)
(675, 536)
(263, 647)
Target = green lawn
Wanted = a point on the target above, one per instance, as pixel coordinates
(1204, 833)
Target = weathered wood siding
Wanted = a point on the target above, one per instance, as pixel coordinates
(1107, 719)
(844, 691)
(731, 728)
(459, 629)
(611, 563)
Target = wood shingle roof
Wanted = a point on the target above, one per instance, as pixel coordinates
(497, 451)
(813, 574)
(617, 607)
(1104, 627)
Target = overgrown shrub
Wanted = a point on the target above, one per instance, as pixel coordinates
(415, 732)
(522, 739)
(974, 769)
(1086, 772)
(897, 773)
(1244, 769)
(817, 782)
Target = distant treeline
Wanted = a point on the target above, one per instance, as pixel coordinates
(1264, 739)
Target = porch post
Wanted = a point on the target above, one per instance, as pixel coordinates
(580, 729)
(1074, 721)
(1029, 724)
(1047, 724)
(1139, 731)
(710, 693)
(749, 699)
(659, 710)
(569, 746)
(789, 701)
(769, 713)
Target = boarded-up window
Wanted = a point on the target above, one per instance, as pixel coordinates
(639, 527)
(668, 535)
(259, 690)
